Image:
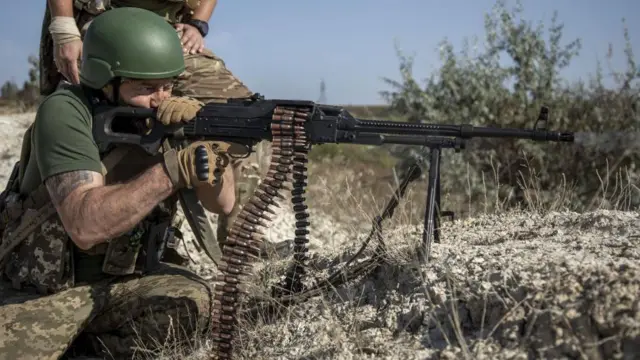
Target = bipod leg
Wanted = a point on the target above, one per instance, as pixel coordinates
(429, 214)
(436, 212)
(441, 213)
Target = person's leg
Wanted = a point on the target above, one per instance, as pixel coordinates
(171, 306)
(44, 327)
(208, 79)
(110, 320)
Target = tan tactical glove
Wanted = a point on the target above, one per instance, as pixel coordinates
(178, 109)
(182, 169)
(220, 197)
(181, 166)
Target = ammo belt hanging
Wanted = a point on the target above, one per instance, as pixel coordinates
(242, 246)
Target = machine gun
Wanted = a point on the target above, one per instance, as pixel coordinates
(292, 127)
(249, 121)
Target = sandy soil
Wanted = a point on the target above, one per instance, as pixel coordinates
(11, 131)
(562, 286)
(511, 286)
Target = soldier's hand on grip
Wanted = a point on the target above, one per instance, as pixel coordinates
(218, 195)
(199, 164)
(178, 109)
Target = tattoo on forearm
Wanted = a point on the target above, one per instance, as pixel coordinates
(60, 186)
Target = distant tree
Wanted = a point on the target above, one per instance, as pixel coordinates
(34, 70)
(9, 90)
(30, 92)
(502, 80)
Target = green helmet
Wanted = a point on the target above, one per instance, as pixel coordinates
(130, 42)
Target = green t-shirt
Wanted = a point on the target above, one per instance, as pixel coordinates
(61, 138)
(61, 141)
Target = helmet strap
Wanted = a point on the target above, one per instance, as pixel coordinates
(111, 91)
(115, 85)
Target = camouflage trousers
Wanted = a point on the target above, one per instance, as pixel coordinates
(207, 78)
(122, 319)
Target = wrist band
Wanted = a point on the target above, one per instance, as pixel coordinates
(63, 30)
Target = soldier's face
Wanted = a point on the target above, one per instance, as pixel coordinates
(145, 93)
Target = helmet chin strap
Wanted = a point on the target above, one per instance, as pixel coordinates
(116, 82)
(113, 87)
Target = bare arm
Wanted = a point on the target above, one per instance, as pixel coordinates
(67, 39)
(204, 11)
(61, 7)
(93, 212)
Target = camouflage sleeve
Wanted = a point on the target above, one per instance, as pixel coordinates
(62, 137)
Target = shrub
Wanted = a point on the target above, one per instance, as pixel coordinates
(481, 88)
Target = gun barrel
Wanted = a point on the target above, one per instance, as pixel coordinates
(465, 131)
(469, 131)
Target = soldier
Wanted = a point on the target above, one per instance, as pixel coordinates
(81, 268)
(206, 77)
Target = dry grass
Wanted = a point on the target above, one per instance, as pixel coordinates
(504, 285)
(9, 107)
(357, 193)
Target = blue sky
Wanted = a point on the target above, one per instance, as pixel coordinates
(283, 48)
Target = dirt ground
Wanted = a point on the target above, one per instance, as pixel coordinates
(516, 286)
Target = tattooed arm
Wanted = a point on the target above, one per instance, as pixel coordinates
(92, 212)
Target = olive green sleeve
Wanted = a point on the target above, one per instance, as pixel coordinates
(62, 137)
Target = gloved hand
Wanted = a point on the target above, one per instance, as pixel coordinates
(181, 164)
(178, 109)
(219, 198)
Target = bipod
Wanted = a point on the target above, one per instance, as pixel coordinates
(432, 212)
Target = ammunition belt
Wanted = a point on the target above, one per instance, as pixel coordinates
(263, 305)
(242, 247)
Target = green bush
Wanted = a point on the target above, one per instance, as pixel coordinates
(478, 88)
